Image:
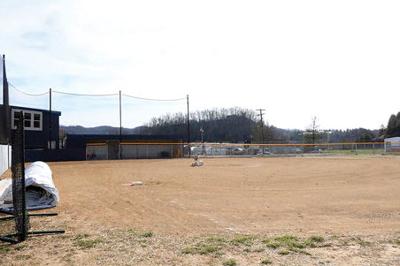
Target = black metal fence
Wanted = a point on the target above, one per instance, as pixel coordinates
(18, 180)
(19, 215)
(15, 225)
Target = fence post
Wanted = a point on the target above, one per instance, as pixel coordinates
(120, 125)
(50, 127)
(188, 124)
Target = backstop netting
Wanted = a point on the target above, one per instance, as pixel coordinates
(112, 115)
(87, 110)
(138, 113)
(113, 109)
(21, 98)
(132, 113)
(146, 117)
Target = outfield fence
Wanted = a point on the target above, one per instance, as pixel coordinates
(298, 149)
(159, 150)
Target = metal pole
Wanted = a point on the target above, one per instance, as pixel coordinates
(120, 115)
(120, 124)
(50, 128)
(8, 156)
(262, 126)
(46, 232)
(188, 124)
(7, 111)
(6, 103)
(202, 141)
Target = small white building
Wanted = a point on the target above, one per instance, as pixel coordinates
(392, 144)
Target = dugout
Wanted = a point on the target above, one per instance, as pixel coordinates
(110, 147)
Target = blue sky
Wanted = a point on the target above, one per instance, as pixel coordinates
(337, 60)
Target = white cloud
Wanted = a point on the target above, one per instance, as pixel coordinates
(337, 60)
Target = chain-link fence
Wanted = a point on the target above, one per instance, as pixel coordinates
(264, 150)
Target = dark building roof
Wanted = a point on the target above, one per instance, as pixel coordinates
(34, 109)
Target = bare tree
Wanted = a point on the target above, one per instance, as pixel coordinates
(312, 134)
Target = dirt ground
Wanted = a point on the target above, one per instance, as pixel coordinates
(349, 205)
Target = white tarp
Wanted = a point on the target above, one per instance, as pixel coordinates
(41, 192)
(5, 158)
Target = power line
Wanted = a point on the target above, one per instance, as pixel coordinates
(94, 95)
(97, 95)
(153, 99)
(85, 94)
(26, 93)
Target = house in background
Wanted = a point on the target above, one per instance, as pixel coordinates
(41, 127)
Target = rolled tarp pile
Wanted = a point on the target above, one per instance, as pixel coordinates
(41, 192)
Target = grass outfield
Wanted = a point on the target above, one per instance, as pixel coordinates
(231, 211)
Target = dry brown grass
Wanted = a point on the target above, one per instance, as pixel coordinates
(118, 247)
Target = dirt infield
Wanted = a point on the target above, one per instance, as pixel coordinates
(325, 195)
(250, 210)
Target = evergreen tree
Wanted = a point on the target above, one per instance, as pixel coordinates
(391, 128)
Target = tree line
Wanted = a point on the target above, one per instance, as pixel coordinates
(393, 127)
(240, 125)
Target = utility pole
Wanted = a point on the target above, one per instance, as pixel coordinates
(120, 114)
(120, 124)
(261, 114)
(50, 121)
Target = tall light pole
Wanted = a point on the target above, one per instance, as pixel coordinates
(49, 146)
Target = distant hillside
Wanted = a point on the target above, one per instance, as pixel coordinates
(230, 125)
(108, 130)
